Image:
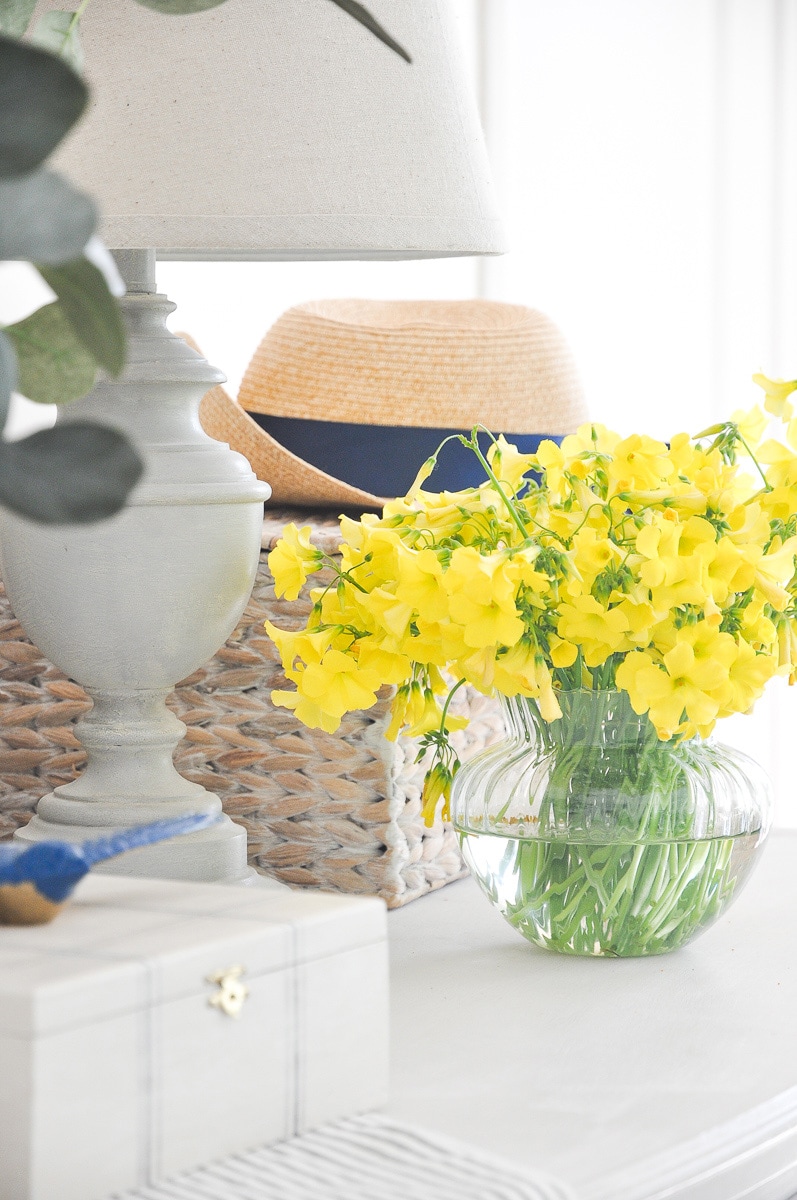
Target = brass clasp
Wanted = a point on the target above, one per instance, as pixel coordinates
(231, 994)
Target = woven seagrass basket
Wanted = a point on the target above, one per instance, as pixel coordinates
(340, 812)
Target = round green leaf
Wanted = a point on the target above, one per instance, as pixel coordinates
(73, 474)
(59, 31)
(44, 219)
(8, 375)
(15, 16)
(40, 100)
(90, 309)
(54, 367)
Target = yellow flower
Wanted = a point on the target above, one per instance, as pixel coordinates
(641, 618)
(678, 557)
(777, 391)
(598, 630)
(303, 644)
(551, 460)
(403, 706)
(310, 714)
(592, 553)
(679, 685)
(420, 584)
(437, 784)
(430, 717)
(747, 676)
(516, 669)
(337, 685)
(708, 644)
(482, 598)
(650, 566)
(478, 667)
(751, 423)
(731, 569)
(589, 439)
(421, 477)
(292, 560)
(508, 464)
(639, 462)
(390, 666)
(391, 614)
(563, 654)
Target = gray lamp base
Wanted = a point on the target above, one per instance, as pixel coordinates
(130, 606)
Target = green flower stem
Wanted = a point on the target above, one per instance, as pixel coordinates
(449, 698)
(767, 484)
(642, 883)
(473, 444)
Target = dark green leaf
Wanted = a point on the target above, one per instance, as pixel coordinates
(73, 474)
(8, 375)
(90, 309)
(40, 100)
(59, 31)
(15, 16)
(361, 14)
(44, 219)
(54, 367)
(180, 7)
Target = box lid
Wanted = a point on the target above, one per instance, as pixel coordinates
(321, 923)
(123, 943)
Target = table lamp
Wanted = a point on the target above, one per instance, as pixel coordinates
(261, 129)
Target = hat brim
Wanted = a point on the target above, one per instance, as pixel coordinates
(294, 482)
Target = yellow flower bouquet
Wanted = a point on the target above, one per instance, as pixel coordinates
(620, 595)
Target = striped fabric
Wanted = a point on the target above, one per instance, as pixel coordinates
(363, 1158)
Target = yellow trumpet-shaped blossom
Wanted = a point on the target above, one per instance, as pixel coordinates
(597, 630)
(292, 560)
(679, 687)
(777, 393)
(665, 569)
(481, 598)
(337, 684)
(508, 464)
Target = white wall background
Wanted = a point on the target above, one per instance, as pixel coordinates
(646, 157)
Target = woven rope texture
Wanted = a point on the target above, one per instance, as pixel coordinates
(339, 812)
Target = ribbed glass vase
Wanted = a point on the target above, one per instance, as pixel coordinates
(591, 836)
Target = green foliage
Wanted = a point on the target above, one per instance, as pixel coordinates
(79, 472)
(76, 473)
(44, 218)
(54, 367)
(41, 98)
(59, 31)
(90, 309)
(8, 375)
(15, 16)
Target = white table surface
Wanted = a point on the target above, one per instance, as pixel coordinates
(628, 1079)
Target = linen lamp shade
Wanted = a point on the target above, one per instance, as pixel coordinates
(282, 129)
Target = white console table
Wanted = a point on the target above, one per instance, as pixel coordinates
(628, 1079)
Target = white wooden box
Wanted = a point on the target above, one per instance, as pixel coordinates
(116, 1071)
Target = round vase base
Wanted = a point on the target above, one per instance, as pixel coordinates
(610, 899)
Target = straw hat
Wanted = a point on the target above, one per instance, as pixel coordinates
(385, 374)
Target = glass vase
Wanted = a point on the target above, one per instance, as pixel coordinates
(591, 836)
